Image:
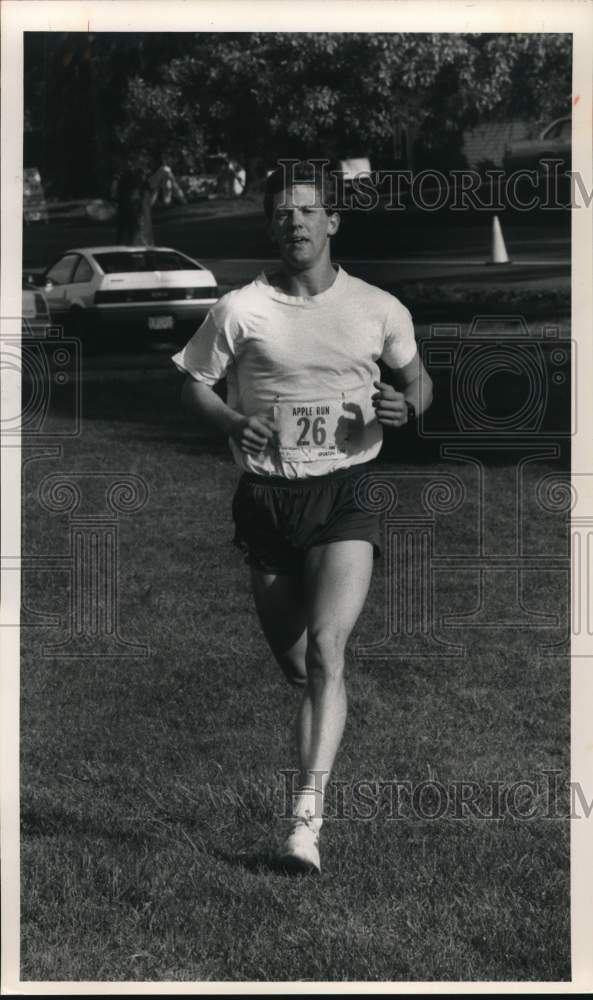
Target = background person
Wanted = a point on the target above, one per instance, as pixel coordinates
(136, 192)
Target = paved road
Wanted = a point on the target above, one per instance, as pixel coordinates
(527, 270)
(422, 245)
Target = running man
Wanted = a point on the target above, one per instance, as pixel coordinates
(304, 414)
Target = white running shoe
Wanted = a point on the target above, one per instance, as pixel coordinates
(300, 852)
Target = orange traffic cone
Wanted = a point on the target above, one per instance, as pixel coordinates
(499, 250)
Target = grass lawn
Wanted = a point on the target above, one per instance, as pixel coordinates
(151, 793)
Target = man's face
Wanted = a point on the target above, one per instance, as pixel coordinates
(301, 227)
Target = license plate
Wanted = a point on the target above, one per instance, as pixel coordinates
(161, 322)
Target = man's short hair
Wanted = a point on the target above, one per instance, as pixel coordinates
(290, 172)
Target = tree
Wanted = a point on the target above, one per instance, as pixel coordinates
(160, 122)
(290, 94)
(75, 91)
(259, 96)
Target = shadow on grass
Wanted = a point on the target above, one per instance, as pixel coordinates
(259, 862)
(54, 821)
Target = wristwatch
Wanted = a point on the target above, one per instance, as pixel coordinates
(411, 411)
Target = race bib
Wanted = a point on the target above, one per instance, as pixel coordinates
(308, 432)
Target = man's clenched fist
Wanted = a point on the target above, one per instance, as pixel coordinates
(390, 405)
(252, 434)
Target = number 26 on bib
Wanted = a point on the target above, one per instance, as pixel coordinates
(309, 431)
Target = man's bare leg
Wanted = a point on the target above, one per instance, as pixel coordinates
(307, 624)
(337, 579)
(281, 608)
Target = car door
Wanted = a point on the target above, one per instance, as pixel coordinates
(81, 287)
(57, 279)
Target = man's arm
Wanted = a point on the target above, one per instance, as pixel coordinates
(251, 434)
(413, 385)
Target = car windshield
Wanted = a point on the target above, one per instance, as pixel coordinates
(143, 260)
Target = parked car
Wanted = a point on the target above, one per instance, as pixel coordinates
(36, 314)
(100, 210)
(553, 143)
(148, 290)
(199, 186)
(354, 167)
(34, 203)
(222, 177)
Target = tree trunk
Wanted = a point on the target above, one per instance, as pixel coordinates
(134, 211)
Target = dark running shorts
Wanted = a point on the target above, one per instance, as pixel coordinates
(277, 520)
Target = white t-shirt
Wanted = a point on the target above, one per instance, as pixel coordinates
(307, 362)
